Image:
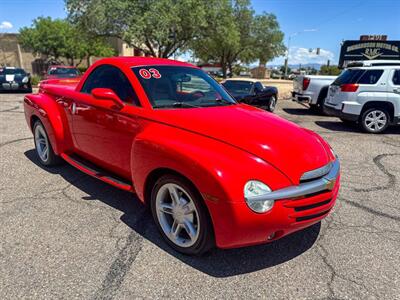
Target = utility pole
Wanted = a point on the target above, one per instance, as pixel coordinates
(287, 57)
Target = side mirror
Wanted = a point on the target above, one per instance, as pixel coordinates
(107, 94)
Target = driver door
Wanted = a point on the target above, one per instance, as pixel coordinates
(104, 133)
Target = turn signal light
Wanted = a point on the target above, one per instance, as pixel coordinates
(306, 83)
(349, 87)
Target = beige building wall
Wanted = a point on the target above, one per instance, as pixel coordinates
(12, 55)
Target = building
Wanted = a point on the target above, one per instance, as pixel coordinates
(12, 54)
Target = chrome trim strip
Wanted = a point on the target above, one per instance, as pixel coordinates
(324, 183)
(317, 172)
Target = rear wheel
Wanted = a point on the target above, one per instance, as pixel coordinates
(375, 120)
(181, 215)
(44, 150)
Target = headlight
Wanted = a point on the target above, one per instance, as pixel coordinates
(257, 188)
(25, 79)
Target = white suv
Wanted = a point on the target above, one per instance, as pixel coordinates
(367, 93)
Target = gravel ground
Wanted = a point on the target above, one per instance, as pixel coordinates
(67, 235)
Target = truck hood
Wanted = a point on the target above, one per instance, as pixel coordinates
(290, 148)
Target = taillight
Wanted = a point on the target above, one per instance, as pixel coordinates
(306, 83)
(349, 87)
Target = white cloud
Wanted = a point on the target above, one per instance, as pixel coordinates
(6, 25)
(299, 55)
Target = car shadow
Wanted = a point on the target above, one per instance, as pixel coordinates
(302, 112)
(351, 127)
(216, 263)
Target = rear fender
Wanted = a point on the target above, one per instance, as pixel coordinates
(45, 108)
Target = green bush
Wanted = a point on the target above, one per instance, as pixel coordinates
(82, 69)
(35, 79)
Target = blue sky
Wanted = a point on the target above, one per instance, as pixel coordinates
(310, 23)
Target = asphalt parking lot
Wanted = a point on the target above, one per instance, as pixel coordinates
(67, 235)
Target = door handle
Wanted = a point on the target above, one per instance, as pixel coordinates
(73, 108)
(396, 91)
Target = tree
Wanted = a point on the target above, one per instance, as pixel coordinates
(329, 70)
(221, 41)
(46, 36)
(58, 38)
(267, 37)
(282, 70)
(157, 27)
(237, 35)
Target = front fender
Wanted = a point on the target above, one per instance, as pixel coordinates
(54, 120)
(219, 171)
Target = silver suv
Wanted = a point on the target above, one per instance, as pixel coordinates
(367, 93)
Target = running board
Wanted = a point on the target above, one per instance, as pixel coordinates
(97, 172)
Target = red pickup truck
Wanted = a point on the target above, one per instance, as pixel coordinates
(213, 171)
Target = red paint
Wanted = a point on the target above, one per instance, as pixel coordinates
(217, 148)
(349, 87)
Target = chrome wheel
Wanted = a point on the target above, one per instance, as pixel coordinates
(41, 143)
(375, 120)
(177, 215)
(272, 104)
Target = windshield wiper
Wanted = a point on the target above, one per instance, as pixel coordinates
(176, 104)
(224, 101)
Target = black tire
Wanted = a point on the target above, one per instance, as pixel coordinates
(52, 159)
(205, 239)
(314, 108)
(374, 129)
(272, 103)
(319, 107)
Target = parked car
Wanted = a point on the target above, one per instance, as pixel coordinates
(252, 92)
(311, 89)
(368, 95)
(213, 171)
(55, 72)
(15, 79)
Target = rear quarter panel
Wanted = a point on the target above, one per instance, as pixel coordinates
(45, 108)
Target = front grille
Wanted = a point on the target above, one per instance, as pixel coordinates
(310, 206)
(309, 217)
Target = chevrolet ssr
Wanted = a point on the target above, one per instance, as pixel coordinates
(214, 172)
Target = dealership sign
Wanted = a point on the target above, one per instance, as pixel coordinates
(367, 49)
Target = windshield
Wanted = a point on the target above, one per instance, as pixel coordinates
(238, 87)
(63, 72)
(16, 71)
(185, 87)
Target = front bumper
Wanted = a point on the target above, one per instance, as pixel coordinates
(295, 208)
(333, 111)
(15, 86)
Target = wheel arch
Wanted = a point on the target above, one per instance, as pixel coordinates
(379, 104)
(323, 93)
(157, 173)
(44, 108)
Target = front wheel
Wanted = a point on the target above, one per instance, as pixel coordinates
(272, 103)
(181, 215)
(375, 120)
(44, 150)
